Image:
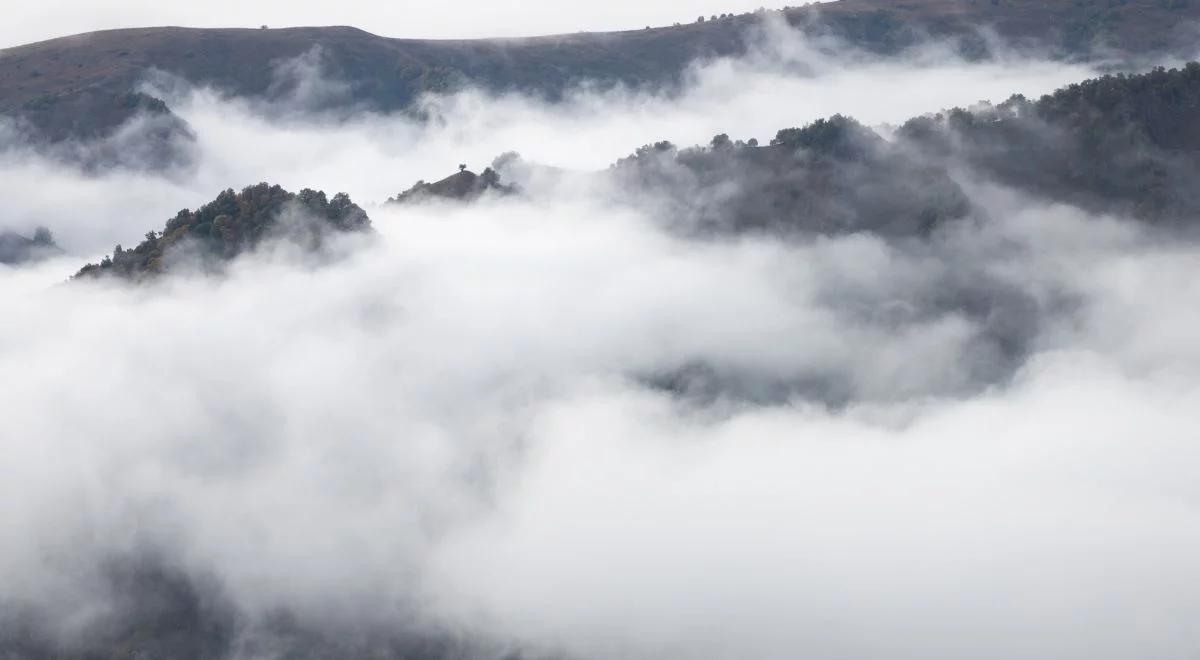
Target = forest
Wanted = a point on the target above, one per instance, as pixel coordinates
(232, 224)
(1121, 144)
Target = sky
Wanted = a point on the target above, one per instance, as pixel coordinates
(449, 426)
(26, 22)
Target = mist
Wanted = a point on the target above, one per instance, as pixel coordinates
(456, 428)
(786, 81)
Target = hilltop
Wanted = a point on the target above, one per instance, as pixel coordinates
(84, 86)
(231, 225)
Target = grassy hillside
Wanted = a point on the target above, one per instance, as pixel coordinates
(81, 86)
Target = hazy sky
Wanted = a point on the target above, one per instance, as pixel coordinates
(28, 22)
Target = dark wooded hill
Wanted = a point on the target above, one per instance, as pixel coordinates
(233, 224)
(84, 85)
(1126, 145)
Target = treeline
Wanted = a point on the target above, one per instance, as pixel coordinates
(1126, 145)
(1121, 144)
(232, 224)
(834, 176)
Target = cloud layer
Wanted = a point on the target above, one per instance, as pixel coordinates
(455, 429)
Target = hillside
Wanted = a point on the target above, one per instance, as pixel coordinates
(1121, 144)
(230, 225)
(464, 186)
(831, 177)
(1076, 28)
(80, 86)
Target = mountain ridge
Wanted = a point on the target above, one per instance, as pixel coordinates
(76, 87)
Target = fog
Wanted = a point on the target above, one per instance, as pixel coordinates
(786, 82)
(452, 427)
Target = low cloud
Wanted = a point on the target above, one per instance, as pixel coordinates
(458, 431)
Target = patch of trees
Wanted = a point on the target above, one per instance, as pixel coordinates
(833, 176)
(232, 224)
(1127, 145)
(464, 186)
(1124, 144)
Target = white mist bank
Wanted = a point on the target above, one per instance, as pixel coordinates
(452, 425)
(446, 425)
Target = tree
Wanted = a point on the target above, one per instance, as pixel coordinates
(462, 167)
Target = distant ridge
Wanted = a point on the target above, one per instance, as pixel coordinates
(80, 86)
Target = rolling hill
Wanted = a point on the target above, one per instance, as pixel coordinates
(84, 86)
